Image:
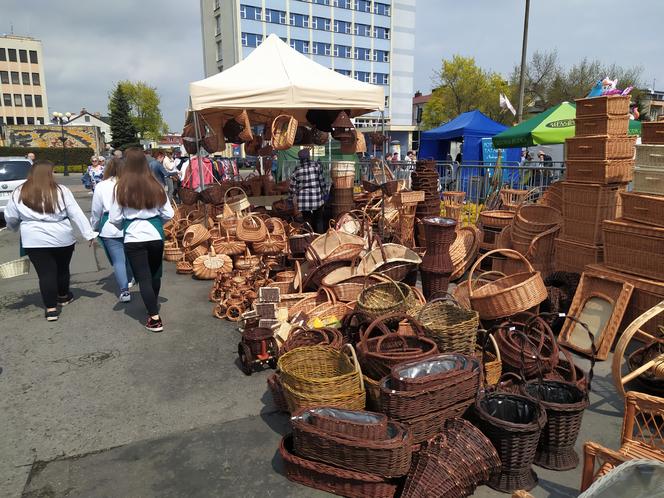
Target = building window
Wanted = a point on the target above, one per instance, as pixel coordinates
(20, 121)
(387, 101)
(383, 33)
(25, 78)
(320, 23)
(38, 101)
(374, 78)
(40, 121)
(86, 118)
(381, 9)
(299, 20)
(275, 16)
(321, 48)
(3, 54)
(18, 100)
(343, 27)
(7, 99)
(219, 57)
(23, 56)
(35, 79)
(14, 78)
(12, 54)
(301, 46)
(217, 25)
(31, 121)
(322, 2)
(243, 11)
(362, 76)
(250, 12)
(245, 40)
(363, 5)
(386, 79)
(251, 40)
(4, 77)
(28, 100)
(10, 120)
(345, 72)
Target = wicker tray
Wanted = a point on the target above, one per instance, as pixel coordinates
(600, 148)
(607, 105)
(573, 256)
(643, 208)
(650, 156)
(585, 206)
(613, 171)
(634, 248)
(648, 180)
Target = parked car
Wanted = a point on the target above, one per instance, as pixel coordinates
(13, 172)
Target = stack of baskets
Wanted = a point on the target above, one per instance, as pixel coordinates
(436, 266)
(600, 160)
(343, 180)
(425, 178)
(453, 204)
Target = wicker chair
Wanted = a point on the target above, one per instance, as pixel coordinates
(642, 437)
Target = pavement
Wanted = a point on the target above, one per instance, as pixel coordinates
(94, 405)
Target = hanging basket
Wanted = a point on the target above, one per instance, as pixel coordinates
(284, 128)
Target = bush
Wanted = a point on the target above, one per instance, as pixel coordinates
(75, 168)
(75, 155)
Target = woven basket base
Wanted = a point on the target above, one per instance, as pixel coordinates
(508, 482)
(564, 458)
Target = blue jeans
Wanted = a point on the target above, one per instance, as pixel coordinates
(121, 268)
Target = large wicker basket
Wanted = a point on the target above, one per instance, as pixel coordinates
(15, 268)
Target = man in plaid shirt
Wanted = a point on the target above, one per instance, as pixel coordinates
(307, 189)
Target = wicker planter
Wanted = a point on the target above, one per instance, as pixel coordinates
(438, 231)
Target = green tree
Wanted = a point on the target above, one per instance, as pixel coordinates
(145, 113)
(461, 86)
(122, 127)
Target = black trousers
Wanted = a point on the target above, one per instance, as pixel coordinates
(315, 219)
(52, 266)
(145, 259)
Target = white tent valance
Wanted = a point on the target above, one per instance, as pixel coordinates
(276, 79)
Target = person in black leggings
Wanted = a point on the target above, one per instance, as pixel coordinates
(52, 267)
(140, 209)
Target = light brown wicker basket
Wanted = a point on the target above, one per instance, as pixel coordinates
(15, 268)
(284, 128)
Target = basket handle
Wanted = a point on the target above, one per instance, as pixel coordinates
(331, 298)
(494, 251)
(230, 190)
(297, 282)
(353, 357)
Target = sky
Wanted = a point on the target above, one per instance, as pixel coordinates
(90, 45)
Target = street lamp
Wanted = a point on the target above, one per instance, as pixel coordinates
(60, 118)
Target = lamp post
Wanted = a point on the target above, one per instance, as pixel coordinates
(60, 118)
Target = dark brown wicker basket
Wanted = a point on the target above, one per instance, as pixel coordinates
(334, 480)
(188, 196)
(277, 392)
(352, 423)
(302, 336)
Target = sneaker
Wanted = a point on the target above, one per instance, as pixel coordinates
(125, 296)
(154, 325)
(132, 283)
(65, 300)
(51, 316)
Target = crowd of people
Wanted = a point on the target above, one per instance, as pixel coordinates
(130, 204)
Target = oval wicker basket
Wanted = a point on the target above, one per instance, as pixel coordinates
(191, 254)
(251, 228)
(173, 252)
(237, 202)
(284, 128)
(206, 267)
(229, 246)
(195, 235)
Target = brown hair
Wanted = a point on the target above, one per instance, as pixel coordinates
(137, 188)
(40, 192)
(113, 168)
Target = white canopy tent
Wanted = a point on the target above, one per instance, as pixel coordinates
(276, 79)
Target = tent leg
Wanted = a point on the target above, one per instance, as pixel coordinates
(198, 160)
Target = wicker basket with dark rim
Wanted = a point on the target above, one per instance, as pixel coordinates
(387, 457)
(302, 336)
(333, 479)
(347, 423)
(277, 392)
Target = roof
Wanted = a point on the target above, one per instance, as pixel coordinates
(105, 119)
(276, 79)
(421, 99)
(472, 123)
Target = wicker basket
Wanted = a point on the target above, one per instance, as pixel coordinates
(585, 206)
(600, 148)
(386, 297)
(496, 218)
(274, 386)
(195, 235)
(648, 180)
(206, 267)
(606, 105)
(333, 479)
(251, 228)
(309, 301)
(229, 246)
(508, 295)
(652, 132)
(15, 268)
(335, 246)
(452, 328)
(348, 423)
(650, 156)
(643, 208)
(236, 199)
(301, 337)
(573, 256)
(634, 248)
(593, 171)
(191, 254)
(491, 362)
(172, 252)
(602, 125)
(322, 375)
(273, 244)
(284, 128)
(188, 196)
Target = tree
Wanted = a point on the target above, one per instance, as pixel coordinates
(463, 86)
(144, 109)
(122, 127)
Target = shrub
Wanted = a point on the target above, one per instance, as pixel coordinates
(75, 155)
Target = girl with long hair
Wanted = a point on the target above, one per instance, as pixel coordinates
(140, 210)
(112, 239)
(44, 212)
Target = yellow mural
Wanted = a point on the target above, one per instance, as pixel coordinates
(51, 136)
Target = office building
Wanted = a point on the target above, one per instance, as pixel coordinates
(22, 86)
(371, 41)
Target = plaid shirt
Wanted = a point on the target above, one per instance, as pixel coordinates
(306, 185)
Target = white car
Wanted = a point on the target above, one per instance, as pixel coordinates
(13, 172)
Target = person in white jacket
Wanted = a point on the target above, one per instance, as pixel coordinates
(112, 239)
(140, 210)
(43, 211)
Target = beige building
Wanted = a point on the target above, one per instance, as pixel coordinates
(22, 85)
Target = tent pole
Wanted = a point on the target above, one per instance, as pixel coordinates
(524, 50)
(198, 159)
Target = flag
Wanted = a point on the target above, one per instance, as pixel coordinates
(506, 104)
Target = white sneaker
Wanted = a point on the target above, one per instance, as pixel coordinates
(125, 297)
(132, 283)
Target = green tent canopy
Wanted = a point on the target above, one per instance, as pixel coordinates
(552, 126)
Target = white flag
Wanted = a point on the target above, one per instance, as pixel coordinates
(506, 104)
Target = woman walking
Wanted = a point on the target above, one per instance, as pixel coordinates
(112, 239)
(139, 210)
(44, 212)
(94, 174)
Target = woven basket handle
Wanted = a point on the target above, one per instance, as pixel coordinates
(230, 190)
(314, 255)
(486, 273)
(331, 298)
(446, 297)
(353, 357)
(402, 339)
(512, 252)
(386, 279)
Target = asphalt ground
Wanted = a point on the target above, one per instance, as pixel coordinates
(94, 405)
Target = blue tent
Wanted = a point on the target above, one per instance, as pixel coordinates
(470, 126)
